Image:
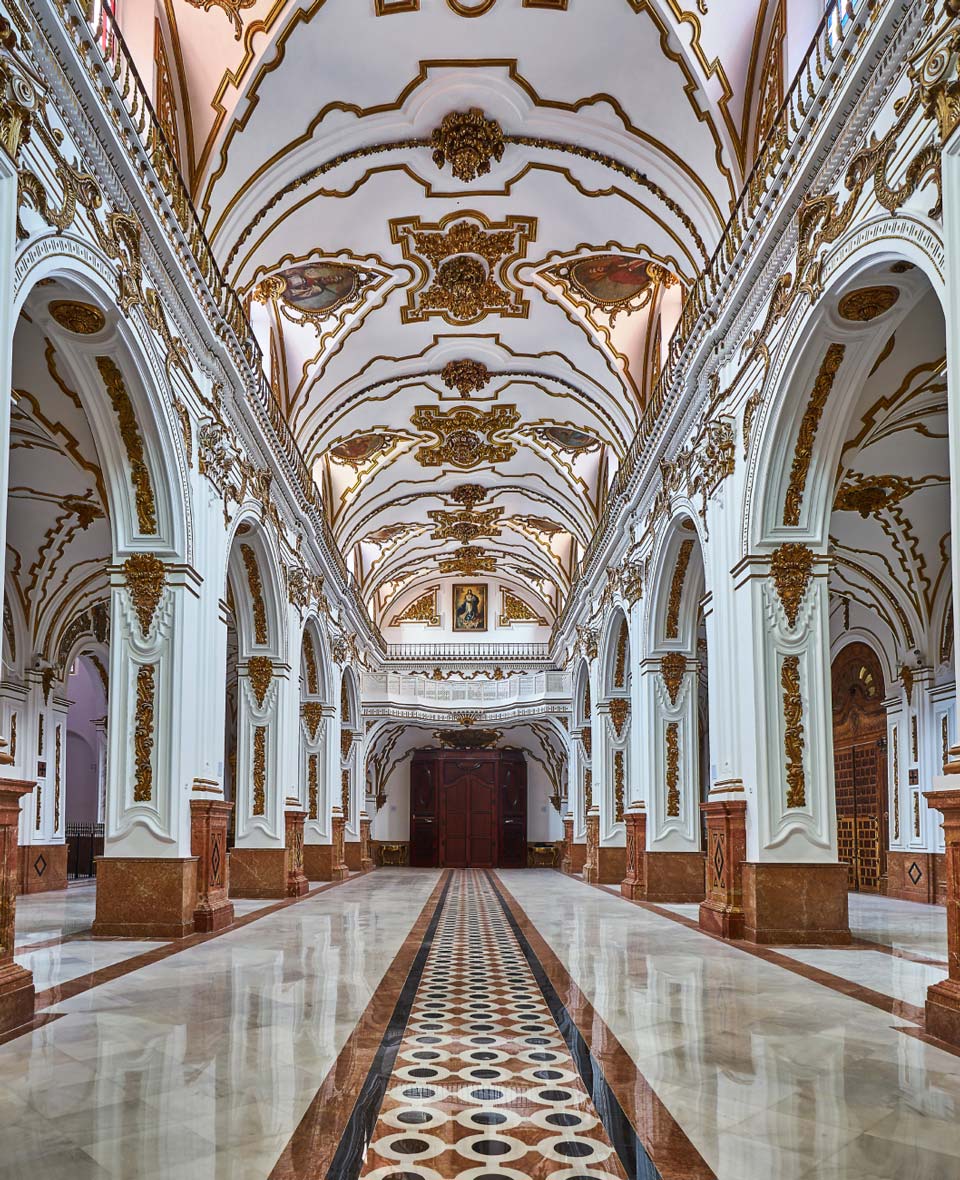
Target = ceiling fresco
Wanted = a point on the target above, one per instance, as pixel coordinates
(465, 229)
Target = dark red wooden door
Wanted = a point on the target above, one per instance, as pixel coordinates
(424, 845)
(468, 810)
(468, 814)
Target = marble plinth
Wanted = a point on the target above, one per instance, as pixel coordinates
(145, 897)
(338, 864)
(367, 861)
(943, 998)
(611, 865)
(208, 843)
(634, 882)
(674, 877)
(43, 867)
(917, 876)
(317, 861)
(297, 883)
(722, 910)
(258, 872)
(351, 855)
(566, 859)
(795, 904)
(16, 983)
(578, 858)
(591, 863)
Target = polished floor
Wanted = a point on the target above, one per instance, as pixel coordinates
(420, 1025)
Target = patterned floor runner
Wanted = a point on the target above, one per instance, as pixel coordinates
(484, 1085)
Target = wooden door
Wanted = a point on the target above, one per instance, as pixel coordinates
(860, 766)
(513, 813)
(424, 845)
(468, 814)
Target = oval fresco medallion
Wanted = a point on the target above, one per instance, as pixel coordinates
(611, 279)
(318, 286)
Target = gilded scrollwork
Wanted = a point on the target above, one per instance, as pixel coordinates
(146, 577)
(673, 668)
(260, 675)
(132, 439)
(143, 735)
(469, 142)
(791, 567)
(619, 784)
(672, 739)
(465, 376)
(259, 775)
(619, 712)
(255, 584)
(672, 624)
(793, 735)
(807, 434)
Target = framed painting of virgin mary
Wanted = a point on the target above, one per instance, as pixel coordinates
(469, 606)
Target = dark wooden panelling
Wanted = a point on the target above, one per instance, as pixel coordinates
(468, 809)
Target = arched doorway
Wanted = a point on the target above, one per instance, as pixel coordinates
(860, 766)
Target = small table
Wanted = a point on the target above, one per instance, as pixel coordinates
(393, 854)
(542, 856)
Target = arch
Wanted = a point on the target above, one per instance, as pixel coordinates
(254, 590)
(318, 683)
(617, 655)
(804, 359)
(678, 583)
(115, 370)
(582, 704)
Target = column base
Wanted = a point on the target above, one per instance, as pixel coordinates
(794, 904)
(674, 877)
(42, 867)
(351, 854)
(943, 1011)
(17, 996)
(297, 883)
(208, 919)
(716, 918)
(258, 873)
(917, 876)
(145, 897)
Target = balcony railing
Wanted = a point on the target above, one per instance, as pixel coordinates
(445, 653)
(102, 48)
(832, 44)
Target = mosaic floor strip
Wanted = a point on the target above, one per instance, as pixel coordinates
(487, 1083)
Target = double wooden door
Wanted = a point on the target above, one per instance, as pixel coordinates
(468, 810)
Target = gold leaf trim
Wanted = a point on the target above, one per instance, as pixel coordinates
(793, 736)
(143, 734)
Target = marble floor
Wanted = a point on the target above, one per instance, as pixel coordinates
(420, 1025)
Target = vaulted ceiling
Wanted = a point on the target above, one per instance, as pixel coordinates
(465, 229)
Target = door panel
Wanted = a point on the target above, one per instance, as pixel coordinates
(468, 811)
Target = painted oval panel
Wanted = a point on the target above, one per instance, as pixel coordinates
(318, 286)
(360, 449)
(611, 278)
(569, 439)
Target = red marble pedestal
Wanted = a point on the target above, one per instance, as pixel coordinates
(566, 859)
(943, 998)
(338, 867)
(634, 883)
(43, 867)
(802, 904)
(317, 861)
(208, 843)
(16, 982)
(297, 883)
(351, 854)
(145, 897)
(722, 911)
(366, 854)
(591, 867)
